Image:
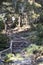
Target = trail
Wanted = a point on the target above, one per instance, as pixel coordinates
(18, 42)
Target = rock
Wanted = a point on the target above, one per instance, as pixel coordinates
(27, 61)
(23, 62)
(40, 59)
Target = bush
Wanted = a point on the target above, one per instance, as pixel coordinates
(1, 24)
(36, 36)
(39, 29)
(3, 41)
(41, 17)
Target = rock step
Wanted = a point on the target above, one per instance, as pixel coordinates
(19, 45)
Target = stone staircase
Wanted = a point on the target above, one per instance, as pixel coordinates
(18, 46)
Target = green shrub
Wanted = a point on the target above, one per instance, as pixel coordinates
(1, 24)
(36, 35)
(41, 17)
(3, 41)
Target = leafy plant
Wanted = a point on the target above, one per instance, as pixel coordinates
(3, 41)
(1, 24)
(37, 38)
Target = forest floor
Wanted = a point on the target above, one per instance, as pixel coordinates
(26, 50)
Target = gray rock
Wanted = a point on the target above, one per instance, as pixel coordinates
(40, 59)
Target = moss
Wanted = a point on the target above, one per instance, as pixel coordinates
(11, 57)
(33, 48)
